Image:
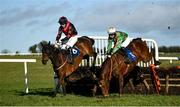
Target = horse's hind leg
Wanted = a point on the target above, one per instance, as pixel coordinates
(132, 85)
(94, 58)
(146, 86)
(94, 90)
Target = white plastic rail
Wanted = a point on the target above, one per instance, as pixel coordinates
(25, 68)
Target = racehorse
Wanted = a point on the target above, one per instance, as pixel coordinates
(59, 59)
(116, 66)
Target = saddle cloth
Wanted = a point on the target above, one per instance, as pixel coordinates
(75, 51)
(129, 54)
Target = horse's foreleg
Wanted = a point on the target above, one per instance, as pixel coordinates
(57, 87)
(56, 84)
(121, 82)
(107, 88)
(63, 84)
(64, 87)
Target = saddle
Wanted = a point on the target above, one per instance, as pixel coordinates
(72, 51)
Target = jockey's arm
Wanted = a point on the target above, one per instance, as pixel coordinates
(73, 30)
(59, 34)
(110, 46)
(119, 40)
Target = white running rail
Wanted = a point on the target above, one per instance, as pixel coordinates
(25, 61)
(169, 58)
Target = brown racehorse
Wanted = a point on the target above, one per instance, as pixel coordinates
(116, 66)
(59, 58)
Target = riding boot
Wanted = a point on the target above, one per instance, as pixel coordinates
(70, 56)
(127, 60)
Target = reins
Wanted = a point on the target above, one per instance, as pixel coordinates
(62, 64)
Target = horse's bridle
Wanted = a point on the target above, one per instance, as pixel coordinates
(51, 57)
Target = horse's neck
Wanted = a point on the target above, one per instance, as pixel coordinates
(54, 60)
(135, 50)
(61, 56)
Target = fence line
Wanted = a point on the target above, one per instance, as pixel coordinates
(169, 58)
(25, 68)
(100, 46)
(101, 43)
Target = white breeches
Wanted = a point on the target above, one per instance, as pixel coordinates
(126, 42)
(70, 42)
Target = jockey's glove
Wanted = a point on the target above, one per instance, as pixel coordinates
(108, 56)
(57, 44)
(64, 46)
(109, 53)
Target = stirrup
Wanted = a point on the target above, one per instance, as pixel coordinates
(71, 61)
(70, 57)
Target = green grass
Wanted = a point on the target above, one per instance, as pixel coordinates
(41, 84)
(166, 63)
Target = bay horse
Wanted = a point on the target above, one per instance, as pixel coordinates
(115, 65)
(59, 59)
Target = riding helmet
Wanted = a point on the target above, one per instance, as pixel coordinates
(62, 20)
(111, 30)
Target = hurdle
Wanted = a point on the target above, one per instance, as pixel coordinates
(25, 68)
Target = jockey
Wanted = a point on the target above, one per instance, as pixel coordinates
(115, 39)
(70, 32)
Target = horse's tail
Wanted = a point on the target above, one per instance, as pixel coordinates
(91, 39)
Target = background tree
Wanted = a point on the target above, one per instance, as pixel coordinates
(33, 49)
(5, 51)
(40, 46)
(169, 49)
(37, 47)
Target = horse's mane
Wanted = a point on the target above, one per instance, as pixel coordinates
(132, 43)
(137, 39)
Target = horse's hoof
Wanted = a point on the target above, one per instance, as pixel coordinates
(105, 96)
(54, 94)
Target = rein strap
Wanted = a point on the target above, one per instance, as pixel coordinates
(62, 64)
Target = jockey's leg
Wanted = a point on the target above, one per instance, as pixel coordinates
(70, 44)
(126, 58)
(70, 56)
(72, 41)
(117, 47)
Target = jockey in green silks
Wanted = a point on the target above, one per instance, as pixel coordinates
(115, 39)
